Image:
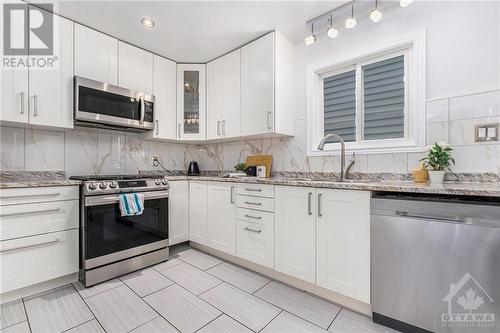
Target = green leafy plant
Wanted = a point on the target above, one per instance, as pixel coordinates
(241, 167)
(439, 157)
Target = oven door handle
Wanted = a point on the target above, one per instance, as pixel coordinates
(104, 200)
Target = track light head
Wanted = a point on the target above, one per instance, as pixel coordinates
(351, 21)
(309, 40)
(375, 15)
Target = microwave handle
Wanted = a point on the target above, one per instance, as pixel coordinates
(141, 110)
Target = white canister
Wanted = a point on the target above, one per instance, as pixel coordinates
(261, 171)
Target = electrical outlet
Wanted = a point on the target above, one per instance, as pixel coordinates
(486, 132)
(156, 161)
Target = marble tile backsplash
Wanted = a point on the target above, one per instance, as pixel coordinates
(99, 151)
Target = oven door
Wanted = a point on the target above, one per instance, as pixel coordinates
(102, 103)
(109, 237)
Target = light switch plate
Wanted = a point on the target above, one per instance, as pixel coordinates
(486, 132)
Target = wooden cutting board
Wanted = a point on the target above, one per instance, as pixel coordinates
(265, 160)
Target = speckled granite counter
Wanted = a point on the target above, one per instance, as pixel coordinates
(35, 179)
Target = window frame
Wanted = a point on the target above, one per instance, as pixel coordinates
(412, 46)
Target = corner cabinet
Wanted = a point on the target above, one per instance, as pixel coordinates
(191, 102)
(198, 204)
(178, 210)
(221, 216)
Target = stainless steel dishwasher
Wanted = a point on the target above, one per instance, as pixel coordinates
(435, 263)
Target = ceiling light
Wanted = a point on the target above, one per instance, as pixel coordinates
(375, 14)
(332, 32)
(405, 3)
(147, 22)
(351, 21)
(309, 40)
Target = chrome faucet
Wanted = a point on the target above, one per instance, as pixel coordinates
(342, 151)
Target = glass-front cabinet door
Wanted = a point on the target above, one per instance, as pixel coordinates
(191, 110)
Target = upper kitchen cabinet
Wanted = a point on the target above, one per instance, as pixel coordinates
(135, 68)
(164, 90)
(224, 96)
(191, 102)
(267, 86)
(96, 55)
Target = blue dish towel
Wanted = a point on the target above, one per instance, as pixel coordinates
(131, 204)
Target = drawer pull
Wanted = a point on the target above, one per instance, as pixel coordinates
(253, 230)
(253, 203)
(32, 212)
(30, 246)
(253, 217)
(253, 189)
(30, 196)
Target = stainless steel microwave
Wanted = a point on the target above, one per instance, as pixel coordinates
(105, 105)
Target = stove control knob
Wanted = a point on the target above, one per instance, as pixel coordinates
(164, 182)
(92, 186)
(113, 184)
(102, 185)
(157, 182)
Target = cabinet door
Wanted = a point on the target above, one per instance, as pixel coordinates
(198, 212)
(191, 102)
(295, 232)
(51, 91)
(96, 55)
(343, 242)
(224, 96)
(178, 208)
(222, 217)
(135, 68)
(257, 86)
(164, 89)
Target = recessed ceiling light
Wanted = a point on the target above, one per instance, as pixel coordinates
(147, 22)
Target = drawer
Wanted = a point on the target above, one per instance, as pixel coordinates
(38, 218)
(256, 216)
(255, 242)
(245, 201)
(30, 260)
(257, 190)
(14, 196)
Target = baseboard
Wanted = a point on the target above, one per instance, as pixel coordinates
(342, 300)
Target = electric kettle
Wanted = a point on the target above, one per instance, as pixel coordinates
(193, 169)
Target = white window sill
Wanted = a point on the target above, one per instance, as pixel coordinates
(333, 149)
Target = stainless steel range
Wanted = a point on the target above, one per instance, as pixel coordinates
(111, 244)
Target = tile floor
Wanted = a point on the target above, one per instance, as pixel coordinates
(192, 292)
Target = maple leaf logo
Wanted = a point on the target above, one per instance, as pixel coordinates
(470, 301)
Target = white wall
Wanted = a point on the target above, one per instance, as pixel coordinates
(463, 58)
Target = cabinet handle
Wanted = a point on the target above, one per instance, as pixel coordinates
(30, 195)
(22, 102)
(309, 201)
(253, 203)
(253, 189)
(319, 205)
(224, 127)
(30, 246)
(253, 217)
(31, 212)
(179, 130)
(253, 230)
(218, 127)
(232, 194)
(157, 127)
(269, 114)
(35, 106)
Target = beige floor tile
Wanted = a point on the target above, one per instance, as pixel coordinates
(89, 327)
(191, 278)
(239, 277)
(198, 259)
(12, 313)
(22, 327)
(351, 322)
(146, 281)
(156, 325)
(287, 322)
(225, 324)
(98, 288)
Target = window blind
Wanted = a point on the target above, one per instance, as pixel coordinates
(384, 98)
(339, 93)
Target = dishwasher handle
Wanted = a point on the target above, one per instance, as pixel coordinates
(455, 219)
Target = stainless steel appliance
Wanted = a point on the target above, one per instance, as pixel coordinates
(436, 263)
(105, 105)
(111, 244)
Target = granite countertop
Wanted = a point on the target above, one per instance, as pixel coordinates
(35, 179)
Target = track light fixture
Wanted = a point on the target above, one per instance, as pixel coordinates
(332, 32)
(351, 21)
(375, 14)
(309, 40)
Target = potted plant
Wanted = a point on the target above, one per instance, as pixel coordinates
(241, 167)
(439, 159)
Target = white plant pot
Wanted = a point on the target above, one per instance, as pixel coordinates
(436, 177)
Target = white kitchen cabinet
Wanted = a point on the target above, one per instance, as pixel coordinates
(222, 217)
(198, 229)
(165, 107)
(343, 242)
(191, 102)
(178, 209)
(96, 55)
(295, 232)
(224, 96)
(135, 68)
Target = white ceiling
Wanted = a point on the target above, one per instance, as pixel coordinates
(195, 31)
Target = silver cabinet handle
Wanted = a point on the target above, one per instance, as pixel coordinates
(35, 106)
(157, 126)
(179, 130)
(22, 102)
(319, 205)
(455, 219)
(269, 114)
(253, 217)
(253, 203)
(232, 194)
(309, 202)
(224, 127)
(31, 212)
(218, 127)
(253, 189)
(30, 195)
(30, 246)
(253, 230)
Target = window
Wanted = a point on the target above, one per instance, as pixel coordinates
(374, 100)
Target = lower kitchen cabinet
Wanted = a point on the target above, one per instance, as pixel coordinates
(343, 242)
(255, 236)
(178, 207)
(198, 229)
(295, 231)
(221, 215)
